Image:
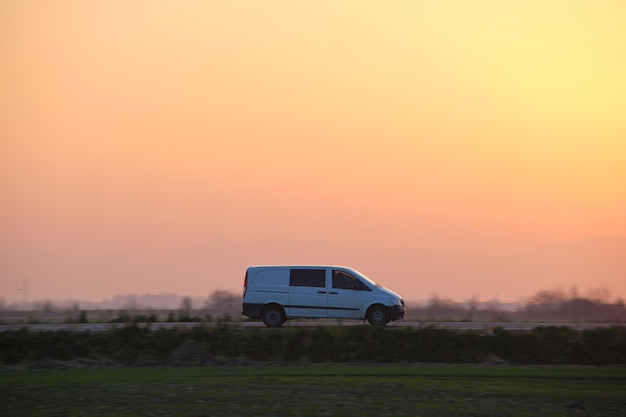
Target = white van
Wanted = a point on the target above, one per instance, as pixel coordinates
(279, 293)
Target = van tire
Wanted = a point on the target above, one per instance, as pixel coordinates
(378, 315)
(273, 316)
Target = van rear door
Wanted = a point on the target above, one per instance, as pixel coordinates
(308, 296)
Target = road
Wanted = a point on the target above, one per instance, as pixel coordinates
(476, 326)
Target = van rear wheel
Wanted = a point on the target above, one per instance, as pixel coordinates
(273, 316)
(378, 316)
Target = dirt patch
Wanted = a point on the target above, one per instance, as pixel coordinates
(192, 353)
(49, 363)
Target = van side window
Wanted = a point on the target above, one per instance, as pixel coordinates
(346, 281)
(307, 278)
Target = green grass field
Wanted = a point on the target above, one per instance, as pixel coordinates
(317, 390)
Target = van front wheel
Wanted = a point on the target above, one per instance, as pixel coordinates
(273, 316)
(378, 316)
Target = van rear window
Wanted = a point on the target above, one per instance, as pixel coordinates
(308, 278)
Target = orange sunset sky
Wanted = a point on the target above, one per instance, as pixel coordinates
(164, 146)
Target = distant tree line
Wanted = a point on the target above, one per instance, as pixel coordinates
(557, 304)
(544, 306)
(554, 305)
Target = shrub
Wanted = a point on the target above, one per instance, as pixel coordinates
(133, 342)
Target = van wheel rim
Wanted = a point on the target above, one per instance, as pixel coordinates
(272, 317)
(378, 316)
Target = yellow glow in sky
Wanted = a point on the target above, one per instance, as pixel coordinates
(488, 126)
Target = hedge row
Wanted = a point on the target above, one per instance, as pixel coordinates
(129, 344)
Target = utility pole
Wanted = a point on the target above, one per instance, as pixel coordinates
(24, 291)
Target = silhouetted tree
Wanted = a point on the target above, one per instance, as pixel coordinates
(472, 307)
(82, 318)
(546, 302)
(222, 302)
(186, 307)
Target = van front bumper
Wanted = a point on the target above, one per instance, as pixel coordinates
(397, 312)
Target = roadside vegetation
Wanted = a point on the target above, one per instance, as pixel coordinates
(132, 344)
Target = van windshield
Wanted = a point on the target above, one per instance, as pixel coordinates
(365, 278)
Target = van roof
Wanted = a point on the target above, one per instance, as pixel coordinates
(300, 266)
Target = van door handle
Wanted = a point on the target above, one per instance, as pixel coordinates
(333, 292)
(321, 292)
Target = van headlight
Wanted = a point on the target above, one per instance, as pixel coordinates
(395, 301)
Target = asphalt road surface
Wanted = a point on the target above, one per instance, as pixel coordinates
(476, 326)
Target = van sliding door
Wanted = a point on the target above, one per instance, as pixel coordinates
(308, 296)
